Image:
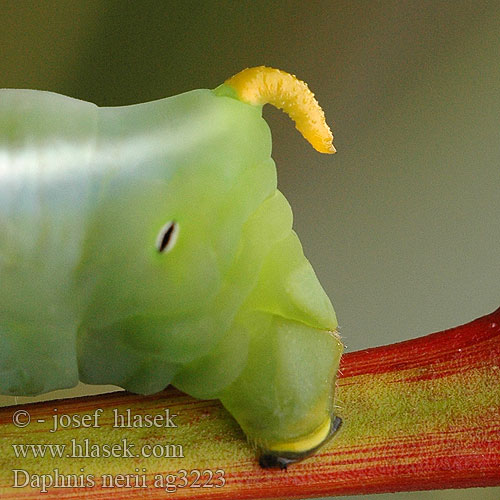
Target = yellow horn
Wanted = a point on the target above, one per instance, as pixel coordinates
(262, 85)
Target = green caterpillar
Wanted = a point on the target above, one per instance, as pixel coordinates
(148, 245)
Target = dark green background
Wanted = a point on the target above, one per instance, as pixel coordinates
(402, 224)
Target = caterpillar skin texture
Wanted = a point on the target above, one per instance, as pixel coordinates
(232, 310)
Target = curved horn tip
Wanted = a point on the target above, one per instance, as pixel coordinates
(261, 85)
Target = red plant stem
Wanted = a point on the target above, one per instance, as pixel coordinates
(420, 414)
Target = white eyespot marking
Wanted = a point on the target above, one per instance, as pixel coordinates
(167, 237)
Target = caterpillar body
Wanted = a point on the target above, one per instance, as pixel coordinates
(148, 245)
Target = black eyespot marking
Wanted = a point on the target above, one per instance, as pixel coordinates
(167, 237)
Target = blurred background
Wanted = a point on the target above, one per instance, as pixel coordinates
(402, 224)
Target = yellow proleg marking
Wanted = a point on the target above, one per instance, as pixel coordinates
(306, 443)
(262, 85)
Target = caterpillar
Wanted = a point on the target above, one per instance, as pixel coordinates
(148, 245)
